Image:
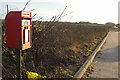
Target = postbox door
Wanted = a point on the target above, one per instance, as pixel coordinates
(26, 34)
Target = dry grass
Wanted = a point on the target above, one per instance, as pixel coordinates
(58, 49)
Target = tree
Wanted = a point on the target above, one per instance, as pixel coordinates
(110, 24)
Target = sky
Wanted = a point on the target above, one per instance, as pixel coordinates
(95, 11)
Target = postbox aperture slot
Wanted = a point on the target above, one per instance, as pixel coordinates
(29, 18)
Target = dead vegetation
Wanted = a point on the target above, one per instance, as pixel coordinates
(58, 50)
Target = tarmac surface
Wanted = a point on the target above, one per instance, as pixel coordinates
(105, 64)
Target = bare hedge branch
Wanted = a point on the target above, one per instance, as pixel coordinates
(26, 5)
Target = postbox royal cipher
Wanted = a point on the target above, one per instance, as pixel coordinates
(18, 29)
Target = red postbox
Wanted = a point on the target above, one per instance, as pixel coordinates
(18, 29)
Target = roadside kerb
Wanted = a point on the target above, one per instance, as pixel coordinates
(90, 59)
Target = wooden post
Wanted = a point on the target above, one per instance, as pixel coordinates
(7, 8)
(19, 64)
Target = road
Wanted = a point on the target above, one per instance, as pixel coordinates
(105, 64)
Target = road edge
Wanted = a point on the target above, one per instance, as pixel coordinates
(90, 59)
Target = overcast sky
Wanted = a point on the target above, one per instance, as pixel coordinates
(95, 11)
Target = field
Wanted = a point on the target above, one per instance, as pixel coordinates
(58, 49)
